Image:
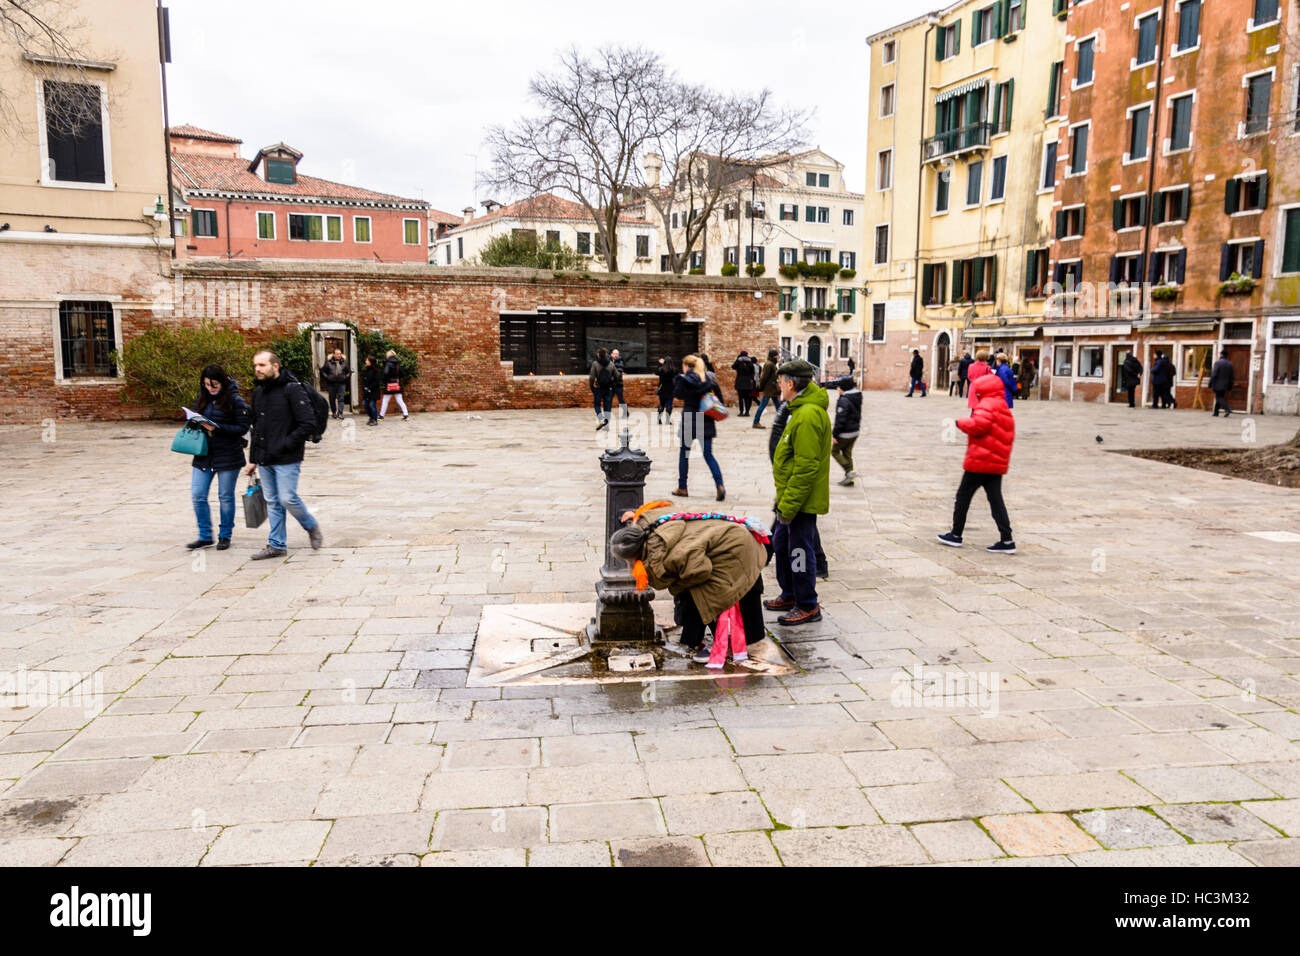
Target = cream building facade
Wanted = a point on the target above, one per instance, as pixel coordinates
(964, 110)
(84, 238)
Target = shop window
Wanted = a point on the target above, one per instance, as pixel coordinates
(1091, 361)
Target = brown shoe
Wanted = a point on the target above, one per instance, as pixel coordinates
(680, 493)
(799, 615)
(778, 604)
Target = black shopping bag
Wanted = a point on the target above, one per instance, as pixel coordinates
(254, 505)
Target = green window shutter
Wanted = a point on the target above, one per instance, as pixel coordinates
(1291, 242)
(956, 279)
(997, 106)
(1187, 201)
(956, 40)
(1031, 260)
(1024, 13)
(1257, 262)
(977, 276)
(1142, 211)
(1158, 208)
(1232, 196)
(1263, 190)
(1011, 95)
(853, 301)
(1117, 214)
(938, 42)
(927, 283)
(1083, 219)
(1001, 16)
(993, 275)
(1060, 224)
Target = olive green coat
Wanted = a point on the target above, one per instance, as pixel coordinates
(801, 467)
(716, 561)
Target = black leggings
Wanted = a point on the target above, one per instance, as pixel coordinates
(992, 485)
(687, 615)
(666, 404)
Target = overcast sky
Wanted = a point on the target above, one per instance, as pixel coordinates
(395, 95)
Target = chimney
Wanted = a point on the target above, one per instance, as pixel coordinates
(654, 164)
(469, 213)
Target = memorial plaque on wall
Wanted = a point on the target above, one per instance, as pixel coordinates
(630, 342)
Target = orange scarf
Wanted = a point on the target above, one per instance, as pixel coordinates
(638, 566)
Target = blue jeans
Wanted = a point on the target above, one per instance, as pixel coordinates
(795, 546)
(917, 383)
(684, 458)
(200, 484)
(280, 488)
(372, 409)
(602, 398)
(776, 404)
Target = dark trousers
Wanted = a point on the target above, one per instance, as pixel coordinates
(1221, 401)
(842, 452)
(795, 547)
(746, 403)
(684, 461)
(622, 402)
(1132, 396)
(917, 383)
(602, 398)
(372, 409)
(992, 485)
(337, 406)
(1163, 398)
(666, 405)
(687, 615)
(822, 566)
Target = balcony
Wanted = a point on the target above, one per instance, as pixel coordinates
(954, 142)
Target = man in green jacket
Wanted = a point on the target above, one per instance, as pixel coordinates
(801, 469)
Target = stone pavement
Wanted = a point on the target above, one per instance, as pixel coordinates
(1122, 692)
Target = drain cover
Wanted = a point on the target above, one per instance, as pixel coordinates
(631, 662)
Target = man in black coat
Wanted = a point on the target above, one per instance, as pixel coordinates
(1132, 372)
(336, 372)
(1162, 378)
(617, 359)
(746, 379)
(916, 372)
(1222, 377)
(283, 417)
(963, 369)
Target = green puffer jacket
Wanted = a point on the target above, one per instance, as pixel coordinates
(802, 464)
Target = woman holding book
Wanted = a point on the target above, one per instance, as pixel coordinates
(224, 415)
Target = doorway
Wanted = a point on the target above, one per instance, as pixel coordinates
(1028, 359)
(1118, 354)
(325, 338)
(941, 352)
(1239, 356)
(815, 353)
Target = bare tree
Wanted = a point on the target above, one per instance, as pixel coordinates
(45, 33)
(600, 116)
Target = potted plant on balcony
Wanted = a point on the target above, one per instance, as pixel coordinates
(824, 271)
(848, 273)
(789, 272)
(1165, 292)
(729, 269)
(1237, 284)
(755, 269)
(787, 315)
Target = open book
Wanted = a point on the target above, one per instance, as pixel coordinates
(195, 417)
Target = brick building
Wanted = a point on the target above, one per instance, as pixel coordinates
(1176, 220)
(264, 208)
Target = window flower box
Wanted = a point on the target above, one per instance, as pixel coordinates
(1164, 293)
(1237, 284)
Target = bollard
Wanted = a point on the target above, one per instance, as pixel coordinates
(623, 614)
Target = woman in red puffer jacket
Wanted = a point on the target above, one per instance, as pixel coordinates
(991, 432)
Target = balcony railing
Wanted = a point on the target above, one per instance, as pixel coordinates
(959, 140)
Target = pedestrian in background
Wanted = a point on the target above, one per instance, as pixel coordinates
(392, 385)
(954, 377)
(963, 374)
(227, 415)
(372, 386)
(1007, 377)
(744, 369)
(1222, 377)
(768, 388)
(991, 433)
(1132, 373)
(690, 387)
(1162, 380)
(337, 372)
(617, 359)
(602, 378)
(916, 372)
(666, 374)
(283, 417)
(848, 421)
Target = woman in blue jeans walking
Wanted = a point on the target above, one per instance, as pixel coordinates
(218, 401)
(690, 387)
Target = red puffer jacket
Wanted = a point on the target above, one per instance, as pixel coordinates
(991, 427)
(976, 371)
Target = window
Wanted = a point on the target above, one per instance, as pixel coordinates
(1167, 267)
(1070, 222)
(753, 254)
(823, 214)
(846, 301)
(1291, 240)
(878, 322)
(1180, 133)
(1068, 273)
(697, 257)
(810, 179)
(1265, 12)
(448, 248)
(1049, 165)
(947, 41)
(1189, 25)
(787, 256)
(934, 283)
(642, 245)
(998, 185)
(845, 346)
(1036, 272)
(1171, 205)
(982, 26)
(1286, 364)
(280, 171)
(552, 240)
(787, 299)
(411, 232)
(1015, 16)
(205, 222)
(1242, 258)
(1083, 61)
(334, 229)
(1196, 361)
(266, 225)
(74, 133)
(974, 182)
(1258, 90)
(848, 260)
(674, 221)
(887, 101)
(785, 345)
(1148, 28)
(848, 217)
(1054, 89)
(1091, 364)
(1061, 360)
(1129, 212)
(306, 228)
(816, 255)
(1002, 96)
(1139, 132)
(1126, 268)
(974, 280)
(753, 211)
(730, 211)
(814, 298)
(888, 52)
(885, 169)
(1245, 193)
(584, 243)
(460, 247)
(882, 245)
(1079, 148)
(663, 263)
(789, 213)
(361, 232)
(566, 341)
(941, 191)
(731, 255)
(86, 339)
(818, 180)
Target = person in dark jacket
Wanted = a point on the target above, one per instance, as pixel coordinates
(690, 387)
(745, 381)
(916, 372)
(617, 359)
(848, 422)
(666, 374)
(769, 390)
(1162, 380)
(773, 439)
(283, 417)
(602, 379)
(1222, 377)
(372, 386)
(392, 386)
(963, 370)
(336, 372)
(1132, 376)
(1008, 378)
(990, 435)
(227, 421)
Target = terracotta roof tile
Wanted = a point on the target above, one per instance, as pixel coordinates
(437, 215)
(545, 206)
(194, 132)
(231, 175)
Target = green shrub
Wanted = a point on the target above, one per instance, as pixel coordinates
(756, 269)
(695, 272)
(161, 367)
(524, 251)
(848, 273)
(789, 272)
(823, 270)
(295, 354)
(729, 269)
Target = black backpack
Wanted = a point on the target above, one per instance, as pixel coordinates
(605, 377)
(321, 408)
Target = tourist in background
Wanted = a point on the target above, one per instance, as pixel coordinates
(916, 372)
(1162, 379)
(392, 385)
(978, 369)
(774, 439)
(666, 374)
(991, 433)
(1132, 372)
(745, 381)
(1222, 377)
(689, 388)
(1007, 376)
(601, 378)
(372, 386)
(337, 372)
(617, 359)
(768, 388)
(227, 415)
(963, 374)
(848, 421)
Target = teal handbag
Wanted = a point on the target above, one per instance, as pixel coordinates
(190, 441)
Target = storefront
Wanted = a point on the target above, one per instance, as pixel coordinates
(1282, 366)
